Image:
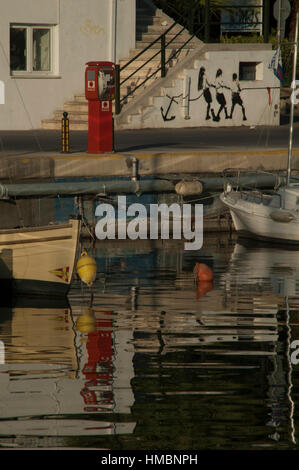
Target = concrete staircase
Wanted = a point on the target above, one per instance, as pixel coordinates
(151, 22)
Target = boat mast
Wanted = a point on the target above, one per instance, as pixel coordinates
(293, 87)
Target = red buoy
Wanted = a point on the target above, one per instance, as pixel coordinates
(203, 288)
(203, 272)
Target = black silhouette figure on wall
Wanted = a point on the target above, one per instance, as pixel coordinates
(204, 85)
(204, 88)
(219, 85)
(236, 98)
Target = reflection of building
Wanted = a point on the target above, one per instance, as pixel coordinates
(192, 349)
(151, 349)
(105, 364)
(48, 372)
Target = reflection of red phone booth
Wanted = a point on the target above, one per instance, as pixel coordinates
(100, 91)
(98, 388)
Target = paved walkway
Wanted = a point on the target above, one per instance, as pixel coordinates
(155, 140)
(36, 153)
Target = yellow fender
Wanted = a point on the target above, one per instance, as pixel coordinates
(86, 268)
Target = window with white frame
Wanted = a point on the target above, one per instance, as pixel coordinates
(31, 49)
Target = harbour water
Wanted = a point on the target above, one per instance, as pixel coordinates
(150, 359)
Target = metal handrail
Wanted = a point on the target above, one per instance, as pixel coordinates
(162, 68)
(164, 45)
(148, 47)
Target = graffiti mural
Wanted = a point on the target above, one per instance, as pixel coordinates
(220, 97)
(204, 85)
(211, 98)
(165, 113)
(236, 98)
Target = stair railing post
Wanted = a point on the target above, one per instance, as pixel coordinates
(117, 89)
(207, 20)
(266, 20)
(163, 56)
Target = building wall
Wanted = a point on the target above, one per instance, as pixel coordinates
(83, 32)
(186, 105)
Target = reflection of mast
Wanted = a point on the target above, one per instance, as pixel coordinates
(281, 384)
(290, 385)
(277, 387)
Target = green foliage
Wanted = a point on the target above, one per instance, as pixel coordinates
(254, 38)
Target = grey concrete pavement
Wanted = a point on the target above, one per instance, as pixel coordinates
(155, 140)
(36, 153)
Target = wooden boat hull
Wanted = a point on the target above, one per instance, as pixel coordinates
(38, 260)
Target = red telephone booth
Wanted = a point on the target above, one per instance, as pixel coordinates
(100, 91)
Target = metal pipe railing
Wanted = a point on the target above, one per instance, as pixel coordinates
(162, 68)
(162, 51)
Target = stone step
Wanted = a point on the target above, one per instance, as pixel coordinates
(80, 104)
(136, 81)
(76, 106)
(142, 20)
(72, 116)
(150, 36)
(159, 28)
(75, 125)
(142, 73)
(148, 28)
(154, 54)
(139, 90)
(80, 98)
(139, 62)
(174, 45)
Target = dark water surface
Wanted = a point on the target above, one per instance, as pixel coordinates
(150, 360)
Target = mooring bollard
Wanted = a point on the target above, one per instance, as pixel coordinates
(65, 133)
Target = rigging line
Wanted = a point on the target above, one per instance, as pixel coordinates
(184, 97)
(194, 99)
(211, 195)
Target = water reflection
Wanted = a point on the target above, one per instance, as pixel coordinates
(149, 359)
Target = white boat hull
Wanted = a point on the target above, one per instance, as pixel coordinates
(253, 219)
(38, 259)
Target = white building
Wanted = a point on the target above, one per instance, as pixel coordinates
(220, 85)
(44, 45)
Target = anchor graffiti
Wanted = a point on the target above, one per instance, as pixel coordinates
(165, 115)
(173, 99)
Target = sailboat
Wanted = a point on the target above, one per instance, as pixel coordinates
(273, 215)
